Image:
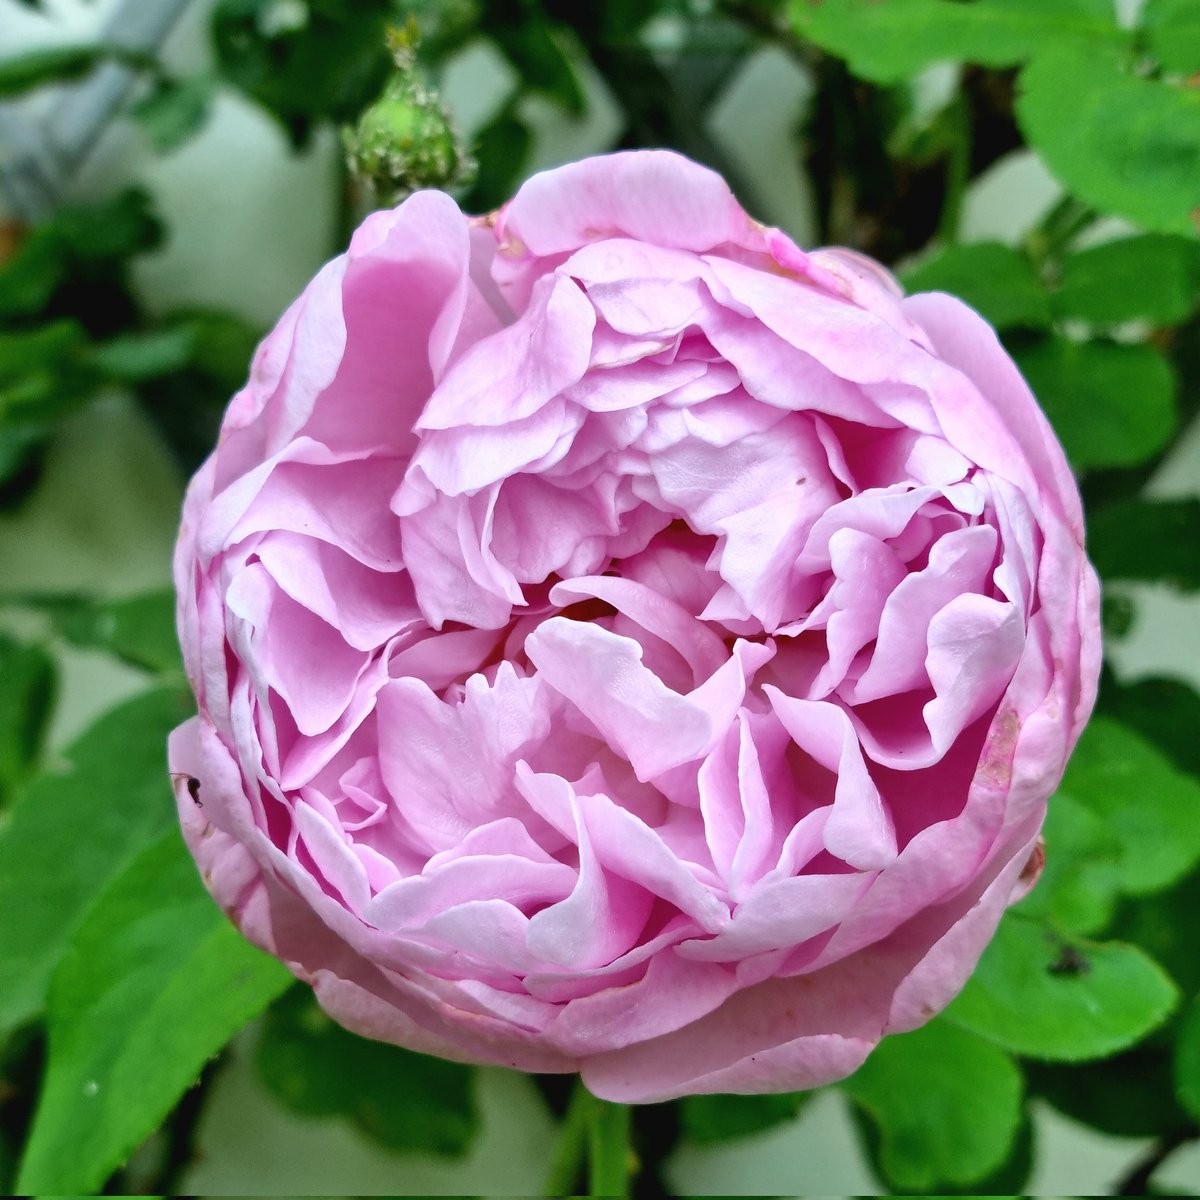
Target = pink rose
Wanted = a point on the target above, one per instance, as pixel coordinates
(626, 642)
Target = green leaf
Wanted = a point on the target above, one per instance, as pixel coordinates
(27, 685)
(33, 351)
(1187, 1062)
(1154, 277)
(1128, 1095)
(1164, 926)
(404, 1101)
(223, 344)
(30, 276)
(620, 22)
(1048, 996)
(1153, 809)
(710, 1119)
(1123, 144)
(145, 354)
(20, 461)
(1166, 712)
(1111, 405)
(140, 630)
(1008, 1180)
(1150, 541)
(994, 279)
(154, 983)
(502, 152)
(328, 66)
(72, 830)
(43, 378)
(113, 229)
(71, 246)
(541, 54)
(22, 1057)
(187, 404)
(1173, 33)
(889, 42)
(53, 64)
(1012, 1176)
(1117, 615)
(1080, 884)
(947, 1106)
(175, 110)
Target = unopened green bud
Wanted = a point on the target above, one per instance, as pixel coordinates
(406, 140)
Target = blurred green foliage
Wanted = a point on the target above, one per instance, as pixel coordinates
(1089, 999)
(153, 982)
(403, 1100)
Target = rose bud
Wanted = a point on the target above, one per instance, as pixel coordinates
(406, 139)
(628, 643)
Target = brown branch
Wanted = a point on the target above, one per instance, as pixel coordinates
(1136, 1182)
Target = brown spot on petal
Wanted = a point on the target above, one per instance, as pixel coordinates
(995, 766)
(1034, 863)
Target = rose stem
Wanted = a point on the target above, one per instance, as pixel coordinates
(958, 169)
(608, 1147)
(567, 1163)
(598, 1131)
